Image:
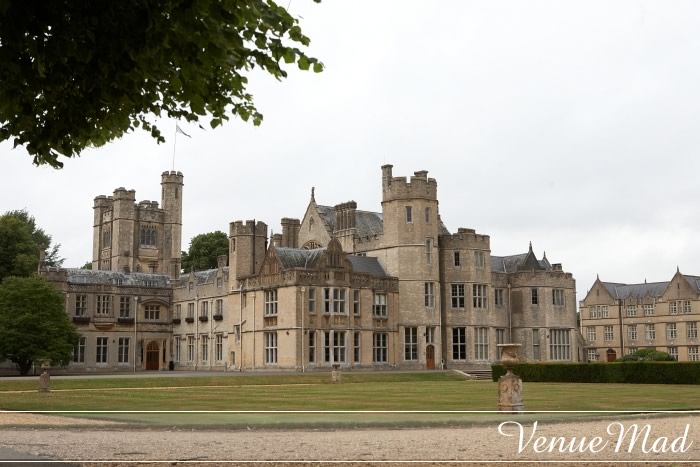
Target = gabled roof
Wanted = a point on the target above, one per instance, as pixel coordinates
(201, 277)
(134, 279)
(293, 258)
(367, 265)
(625, 291)
(367, 223)
(513, 263)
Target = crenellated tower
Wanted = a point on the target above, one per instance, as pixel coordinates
(247, 247)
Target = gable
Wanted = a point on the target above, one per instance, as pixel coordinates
(314, 231)
(680, 288)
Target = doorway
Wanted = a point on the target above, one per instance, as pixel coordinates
(152, 356)
(430, 357)
(611, 355)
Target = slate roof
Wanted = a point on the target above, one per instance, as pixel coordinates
(367, 265)
(291, 258)
(134, 279)
(368, 223)
(511, 263)
(203, 277)
(647, 289)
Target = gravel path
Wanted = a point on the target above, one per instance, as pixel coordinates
(104, 441)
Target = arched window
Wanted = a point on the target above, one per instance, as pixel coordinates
(311, 245)
(148, 236)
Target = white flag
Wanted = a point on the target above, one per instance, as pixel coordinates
(179, 130)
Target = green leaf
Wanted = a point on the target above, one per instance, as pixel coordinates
(303, 63)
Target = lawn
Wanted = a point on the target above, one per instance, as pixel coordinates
(441, 391)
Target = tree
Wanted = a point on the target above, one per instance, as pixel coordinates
(35, 326)
(87, 265)
(647, 355)
(21, 243)
(203, 251)
(77, 73)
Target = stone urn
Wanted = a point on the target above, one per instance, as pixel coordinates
(509, 356)
(510, 386)
(44, 378)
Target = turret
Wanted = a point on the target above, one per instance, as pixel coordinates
(171, 202)
(247, 247)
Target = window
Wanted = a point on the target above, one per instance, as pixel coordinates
(500, 336)
(536, 344)
(409, 214)
(380, 349)
(498, 297)
(673, 308)
(534, 297)
(410, 344)
(481, 343)
(312, 346)
(479, 259)
(650, 331)
(219, 347)
(590, 333)
(608, 333)
(190, 310)
(219, 310)
(459, 344)
(356, 347)
(429, 250)
(148, 236)
(631, 310)
(123, 350)
(152, 312)
(80, 305)
(101, 350)
(124, 307)
(648, 310)
(671, 332)
(686, 306)
(480, 297)
(219, 282)
(457, 295)
(630, 350)
(356, 302)
(178, 347)
(150, 283)
(191, 286)
(190, 348)
(178, 311)
(429, 294)
(312, 300)
(632, 332)
(205, 347)
(79, 351)
(598, 311)
(427, 215)
(558, 297)
(693, 354)
(106, 238)
(559, 344)
(456, 259)
(430, 335)
(334, 347)
(333, 300)
(692, 330)
(673, 352)
(104, 304)
(592, 355)
(271, 302)
(379, 309)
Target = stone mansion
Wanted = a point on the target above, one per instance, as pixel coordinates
(342, 286)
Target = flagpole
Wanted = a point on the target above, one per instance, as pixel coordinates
(174, 146)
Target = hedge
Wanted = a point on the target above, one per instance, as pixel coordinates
(627, 372)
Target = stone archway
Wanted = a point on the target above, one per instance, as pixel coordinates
(153, 356)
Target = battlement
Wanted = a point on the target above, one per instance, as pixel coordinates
(122, 194)
(289, 221)
(172, 177)
(420, 185)
(103, 201)
(465, 238)
(146, 204)
(250, 227)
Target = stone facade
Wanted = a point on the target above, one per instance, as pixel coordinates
(342, 286)
(618, 319)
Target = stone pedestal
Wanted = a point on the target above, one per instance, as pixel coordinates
(44, 379)
(510, 394)
(335, 374)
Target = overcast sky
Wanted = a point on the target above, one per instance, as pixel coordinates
(571, 124)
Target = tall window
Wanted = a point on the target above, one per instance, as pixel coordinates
(410, 344)
(380, 348)
(693, 354)
(152, 312)
(429, 250)
(219, 347)
(190, 348)
(632, 332)
(104, 304)
(457, 295)
(479, 259)
(205, 347)
(79, 351)
(608, 333)
(101, 350)
(123, 350)
(650, 331)
(456, 260)
(178, 348)
(591, 334)
(498, 297)
(106, 239)
(631, 310)
(356, 346)
(80, 305)
(480, 296)
(558, 297)
(673, 352)
(673, 307)
(312, 346)
(334, 300)
(124, 307)
(592, 355)
(430, 335)
(692, 330)
(356, 302)
(649, 310)
(334, 347)
(312, 300)
(671, 332)
(536, 344)
(481, 343)
(534, 297)
(219, 304)
(459, 344)
(271, 302)
(427, 215)
(409, 214)
(500, 336)
(148, 236)
(270, 348)
(190, 310)
(429, 294)
(379, 309)
(686, 306)
(559, 347)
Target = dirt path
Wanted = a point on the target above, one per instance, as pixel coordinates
(99, 441)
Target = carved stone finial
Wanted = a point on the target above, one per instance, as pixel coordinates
(313, 196)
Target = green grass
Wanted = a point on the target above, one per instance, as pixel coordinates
(375, 391)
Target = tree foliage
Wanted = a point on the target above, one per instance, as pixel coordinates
(21, 243)
(77, 73)
(647, 355)
(204, 250)
(35, 326)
